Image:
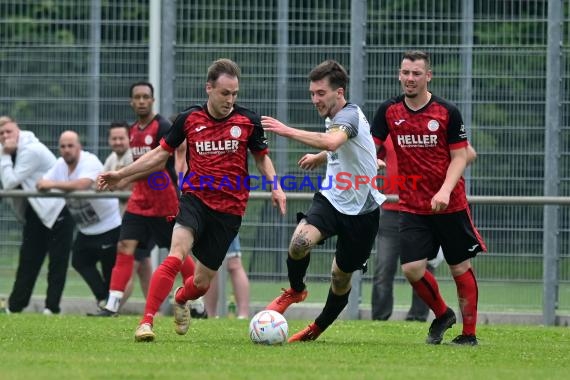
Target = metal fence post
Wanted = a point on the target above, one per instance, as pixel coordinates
(467, 74)
(154, 50)
(551, 226)
(282, 96)
(167, 53)
(94, 76)
(357, 78)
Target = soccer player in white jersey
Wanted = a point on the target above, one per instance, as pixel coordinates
(348, 209)
(97, 219)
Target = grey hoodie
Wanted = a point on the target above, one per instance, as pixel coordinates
(33, 160)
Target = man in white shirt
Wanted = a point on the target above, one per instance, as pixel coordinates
(48, 226)
(98, 219)
(120, 157)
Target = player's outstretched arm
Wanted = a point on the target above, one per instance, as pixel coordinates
(330, 141)
(148, 163)
(266, 168)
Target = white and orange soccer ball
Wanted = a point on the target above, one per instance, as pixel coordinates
(268, 327)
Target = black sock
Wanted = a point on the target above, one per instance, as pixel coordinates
(297, 270)
(333, 307)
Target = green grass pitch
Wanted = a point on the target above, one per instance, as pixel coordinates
(74, 347)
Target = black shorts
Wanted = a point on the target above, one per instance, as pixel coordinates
(214, 231)
(356, 233)
(421, 236)
(145, 229)
(143, 251)
(104, 243)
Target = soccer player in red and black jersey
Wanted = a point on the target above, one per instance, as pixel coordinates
(430, 141)
(214, 195)
(148, 209)
(388, 249)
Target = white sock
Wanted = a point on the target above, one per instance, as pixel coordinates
(114, 300)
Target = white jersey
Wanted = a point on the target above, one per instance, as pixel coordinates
(93, 216)
(356, 157)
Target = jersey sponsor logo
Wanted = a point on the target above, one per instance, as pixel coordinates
(217, 147)
(148, 139)
(140, 150)
(417, 141)
(433, 125)
(198, 129)
(235, 131)
(398, 122)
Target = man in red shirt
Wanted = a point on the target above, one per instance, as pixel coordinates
(148, 209)
(430, 140)
(214, 191)
(388, 250)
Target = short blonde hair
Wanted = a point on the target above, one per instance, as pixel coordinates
(5, 120)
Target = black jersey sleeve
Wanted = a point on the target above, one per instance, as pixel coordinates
(379, 128)
(257, 141)
(163, 126)
(176, 135)
(455, 129)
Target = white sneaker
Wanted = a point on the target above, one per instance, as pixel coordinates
(198, 309)
(144, 333)
(4, 309)
(181, 317)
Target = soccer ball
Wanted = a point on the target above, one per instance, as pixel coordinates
(268, 327)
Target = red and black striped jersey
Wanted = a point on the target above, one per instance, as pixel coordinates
(217, 155)
(422, 142)
(146, 199)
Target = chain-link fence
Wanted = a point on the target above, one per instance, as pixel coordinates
(68, 65)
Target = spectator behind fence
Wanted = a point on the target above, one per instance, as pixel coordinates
(351, 213)
(240, 284)
(120, 157)
(48, 226)
(430, 140)
(97, 219)
(388, 252)
(149, 208)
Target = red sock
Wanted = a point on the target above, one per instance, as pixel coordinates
(122, 271)
(428, 290)
(160, 286)
(189, 291)
(187, 269)
(468, 294)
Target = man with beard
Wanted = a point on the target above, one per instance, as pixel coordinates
(97, 219)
